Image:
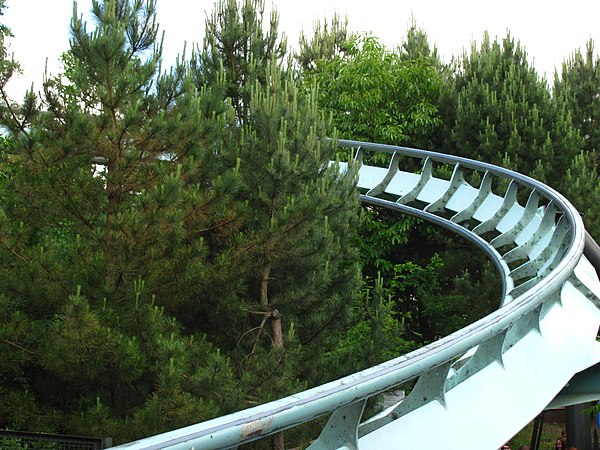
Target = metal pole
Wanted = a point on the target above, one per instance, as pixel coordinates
(579, 427)
(591, 250)
(536, 434)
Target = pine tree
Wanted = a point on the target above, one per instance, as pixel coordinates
(330, 39)
(118, 222)
(237, 48)
(582, 188)
(577, 92)
(416, 46)
(501, 112)
(577, 88)
(302, 211)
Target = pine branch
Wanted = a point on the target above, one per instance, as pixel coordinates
(20, 347)
(10, 249)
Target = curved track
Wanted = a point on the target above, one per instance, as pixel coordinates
(480, 385)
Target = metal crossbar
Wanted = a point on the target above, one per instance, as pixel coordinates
(480, 385)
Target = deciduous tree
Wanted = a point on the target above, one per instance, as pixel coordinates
(375, 96)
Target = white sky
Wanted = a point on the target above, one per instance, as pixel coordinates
(550, 30)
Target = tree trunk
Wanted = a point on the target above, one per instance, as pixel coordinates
(264, 285)
(116, 395)
(278, 442)
(276, 329)
(111, 211)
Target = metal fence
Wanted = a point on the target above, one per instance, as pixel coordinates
(17, 440)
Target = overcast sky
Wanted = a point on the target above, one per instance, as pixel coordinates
(549, 30)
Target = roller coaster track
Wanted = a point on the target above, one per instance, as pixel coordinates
(480, 385)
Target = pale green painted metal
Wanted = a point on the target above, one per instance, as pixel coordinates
(480, 385)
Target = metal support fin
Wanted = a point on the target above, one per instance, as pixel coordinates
(392, 170)
(485, 188)
(581, 286)
(509, 236)
(553, 299)
(431, 386)
(487, 352)
(562, 242)
(546, 225)
(425, 177)
(562, 248)
(510, 198)
(537, 265)
(524, 287)
(358, 158)
(456, 181)
(526, 324)
(341, 430)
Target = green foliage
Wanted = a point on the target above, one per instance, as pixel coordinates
(582, 188)
(389, 97)
(330, 40)
(236, 50)
(576, 88)
(382, 235)
(463, 298)
(416, 46)
(375, 96)
(393, 97)
(501, 113)
(20, 444)
(100, 264)
(301, 211)
(577, 91)
(378, 333)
